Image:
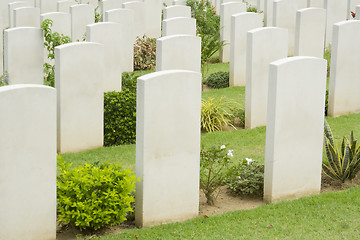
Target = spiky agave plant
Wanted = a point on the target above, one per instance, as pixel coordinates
(343, 164)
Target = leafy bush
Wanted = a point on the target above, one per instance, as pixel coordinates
(4, 79)
(246, 178)
(207, 27)
(251, 9)
(215, 113)
(218, 80)
(343, 164)
(144, 53)
(214, 164)
(52, 40)
(94, 196)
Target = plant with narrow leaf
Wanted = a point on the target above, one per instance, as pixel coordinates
(216, 113)
(343, 164)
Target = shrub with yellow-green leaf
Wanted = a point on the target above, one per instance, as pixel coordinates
(94, 195)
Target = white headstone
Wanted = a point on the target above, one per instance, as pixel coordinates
(23, 60)
(110, 35)
(125, 18)
(153, 10)
(79, 78)
(315, 3)
(179, 25)
(294, 128)
(310, 32)
(335, 12)
(47, 6)
(167, 147)
(27, 17)
(11, 8)
(260, 5)
(28, 162)
(81, 15)
(344, 81)
(226, 11)
(302, 4)
(176, 11)
(357, 12)
(106, 5)
(284, 16)
(93, 3)
(178, 52)
(139, 14)
(61, 22)
(64, 6)
(351, 7)
(241, 23)
(264, 45)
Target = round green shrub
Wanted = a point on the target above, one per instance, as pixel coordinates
(93, 196)
(218, 80)
(246, 178)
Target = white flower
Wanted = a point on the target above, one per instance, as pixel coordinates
(249, 160)
(230, 154)
(222, 147)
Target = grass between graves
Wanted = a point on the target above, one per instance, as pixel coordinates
(325, 216)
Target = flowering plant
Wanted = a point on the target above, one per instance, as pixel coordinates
(246, 178)
(214, 164)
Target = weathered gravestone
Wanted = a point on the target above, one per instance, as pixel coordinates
(81, 15)
(176, 11)
(125, 18)
(264, 45)
(11, 8)
(284, 16)
(344, 81)
(79, 78)
(27, 17)
(28, 162)
(178, 52)
(24, 60)
(110, 35)
(294, 128)
(241, 23)
(167, 147)
(179, 25)
(335, 12)
(310, 32)
(226, 11)
(139, 14)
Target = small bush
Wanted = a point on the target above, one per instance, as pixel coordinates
(214, 163)
(4, 79)
(144, 53)
(215, 113)
(93, 196)
(218, 80)
(246, 178)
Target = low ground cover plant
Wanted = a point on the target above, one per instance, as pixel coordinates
(246, 178)
(342, 164)
(218, 80)
(92, 196)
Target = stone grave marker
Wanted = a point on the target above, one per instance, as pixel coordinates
(335, 12)
(294, 128)
(179, 25)
(24, 60)
(241, 23)
(264, 45)
(176, 11)
(178, 52)
(11, 8)
(139, 14)
(167, 147)
(81, 15)
(79, 78)
(27, 17)
(28, 162)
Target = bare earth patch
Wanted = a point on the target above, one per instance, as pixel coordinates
(225, 202)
